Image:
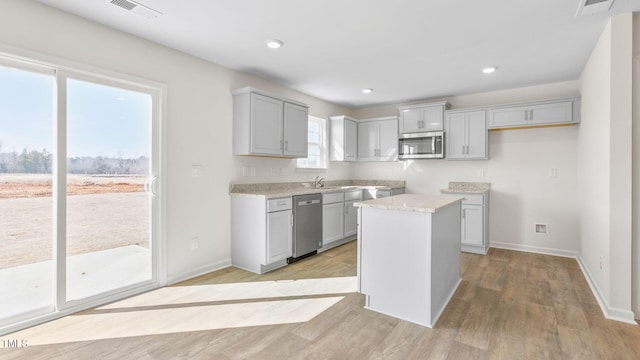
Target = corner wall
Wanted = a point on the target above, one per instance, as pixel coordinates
(604, 169)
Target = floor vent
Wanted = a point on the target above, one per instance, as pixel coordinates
(542, 229)
(588, 7)
(137, 8)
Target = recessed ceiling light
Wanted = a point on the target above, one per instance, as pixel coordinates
(274, 43)
(489, 70)
(367, 91)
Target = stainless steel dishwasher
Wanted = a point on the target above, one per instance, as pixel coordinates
(307, 226)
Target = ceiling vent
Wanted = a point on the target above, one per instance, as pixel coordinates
(138, 9)
(588, 7)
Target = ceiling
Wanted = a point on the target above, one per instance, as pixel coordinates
(405, 50)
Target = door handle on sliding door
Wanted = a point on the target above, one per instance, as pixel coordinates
(149, 185)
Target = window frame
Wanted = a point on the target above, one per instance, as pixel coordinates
(303, 163)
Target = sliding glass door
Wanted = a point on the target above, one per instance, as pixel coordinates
(108, 224)
(78, 196)
(26, 205)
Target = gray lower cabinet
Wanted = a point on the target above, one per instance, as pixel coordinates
(266, 243)
(339, 218)
(475, 222)
(351, 213)
(332, 218)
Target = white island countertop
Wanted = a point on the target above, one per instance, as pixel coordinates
(412, 202)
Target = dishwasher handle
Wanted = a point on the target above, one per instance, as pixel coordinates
(308, 202)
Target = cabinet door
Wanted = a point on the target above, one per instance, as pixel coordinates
(350, 140)
(332, 222)
(368, 141)
(432, 118)
(551, 113)
(455, 136)
(266, 125)
(279, 236)
(350, 219)
(505, 117)
(388, 149)
(411, 120)
(472, 225)
(296, 127)
(476, 135)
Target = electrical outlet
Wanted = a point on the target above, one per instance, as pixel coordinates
(480, 172)
(284, 171)
(600, 262)
(195, 243)
(553, 173)
(245, 171)
(253, 171)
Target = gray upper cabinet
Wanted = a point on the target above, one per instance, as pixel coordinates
(265, 125)
(422, 117)
(466, 135)
(343, 138)
(378, 139)
(544, 113)
(296, 124)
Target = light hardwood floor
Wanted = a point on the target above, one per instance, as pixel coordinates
(510, 305)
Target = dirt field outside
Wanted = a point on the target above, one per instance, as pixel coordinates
(102, 213)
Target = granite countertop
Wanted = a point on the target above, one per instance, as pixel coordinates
(467, 188)
(412, 202)
(275, 190)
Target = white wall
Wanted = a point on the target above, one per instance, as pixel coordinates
(605, 172)
(636, 167)
(198, 114)
(522, 193)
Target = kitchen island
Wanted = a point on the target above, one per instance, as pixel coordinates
(409, 255)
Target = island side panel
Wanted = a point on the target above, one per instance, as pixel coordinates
(445, 263)
(395, 263)
(248, 235)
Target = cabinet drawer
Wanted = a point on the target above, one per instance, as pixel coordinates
(279, 204)
(353, 195)
(472, 199)
(330, 198)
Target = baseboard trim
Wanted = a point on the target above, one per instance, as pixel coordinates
(205, 269)
(609, 312)
(535, 249)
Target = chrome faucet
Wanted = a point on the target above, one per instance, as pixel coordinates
(318, 182)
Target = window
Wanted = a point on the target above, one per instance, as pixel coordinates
(317, 137)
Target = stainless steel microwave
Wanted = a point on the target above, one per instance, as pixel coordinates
(428, 145)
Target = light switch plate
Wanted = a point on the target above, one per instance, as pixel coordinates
(196, 170)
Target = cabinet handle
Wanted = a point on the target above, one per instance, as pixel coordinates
(281, 144)
(463, 149)
(291, 220)
(530, 114)
(526, 115)
(464, 213)
(286, 145)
